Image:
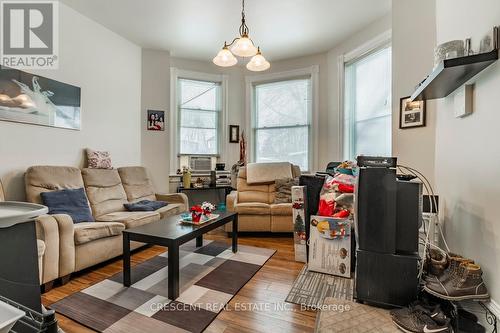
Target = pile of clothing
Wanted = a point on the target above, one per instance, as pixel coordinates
(337, 195)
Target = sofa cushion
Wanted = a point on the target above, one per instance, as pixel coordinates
(72, 202)
(253, 208)
(282, 209)
(261, 173)
(137, 184)
(89, 231)
(40, 179)
(98, 159)
(171, 209)
(131, 219)
(253, 197)
(145, 205)
(104, 190)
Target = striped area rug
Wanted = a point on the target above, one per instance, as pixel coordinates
(210, 276)
(312, 288)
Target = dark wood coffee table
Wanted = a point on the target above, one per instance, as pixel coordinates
(170, 233)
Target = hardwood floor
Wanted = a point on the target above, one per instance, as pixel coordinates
(258, 307)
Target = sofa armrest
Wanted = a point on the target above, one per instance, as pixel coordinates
(232, 201)
(66, 244)
(180, 198)
(47, 230)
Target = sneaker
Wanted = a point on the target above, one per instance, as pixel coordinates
(466, 283)
(433, 311)
(418, 321)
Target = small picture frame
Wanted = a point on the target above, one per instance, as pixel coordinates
(411, 114)
(155, 120)
(234, 133)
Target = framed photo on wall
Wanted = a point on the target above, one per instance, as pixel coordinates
(234, 133)
(34, 99)
(155, 120)
(411, 114)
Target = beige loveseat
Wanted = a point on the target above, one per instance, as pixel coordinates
(71, 247)
(254, 202)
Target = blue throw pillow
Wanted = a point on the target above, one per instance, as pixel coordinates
(145, 206)
(72, 202)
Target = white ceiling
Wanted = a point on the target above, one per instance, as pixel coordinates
(196, 29)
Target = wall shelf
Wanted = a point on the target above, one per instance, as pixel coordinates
(452, 74)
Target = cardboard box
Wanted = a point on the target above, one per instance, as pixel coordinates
(299, 227)
(330, 246)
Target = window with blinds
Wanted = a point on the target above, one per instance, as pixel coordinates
(367, 110)
(282, 122)
(200, 104)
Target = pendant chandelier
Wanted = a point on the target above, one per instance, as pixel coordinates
(244, 47)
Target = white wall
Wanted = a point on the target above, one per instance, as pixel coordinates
(108, 69)
(332, 140)
(155, 147)
(467, 149)
(412, 60)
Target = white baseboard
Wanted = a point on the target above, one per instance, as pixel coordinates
(494, 307)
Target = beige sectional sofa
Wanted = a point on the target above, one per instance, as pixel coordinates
(254, 202)
(71, 247)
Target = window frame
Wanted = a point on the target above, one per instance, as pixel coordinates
(175, 76)
(374, 45)
(311, 73)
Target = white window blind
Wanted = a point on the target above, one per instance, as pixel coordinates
(367, 109)
(200, 104)
(282, 122)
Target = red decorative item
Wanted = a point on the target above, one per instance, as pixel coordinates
(344, 213)
(326, 208)
(344, 188)
(196, 213)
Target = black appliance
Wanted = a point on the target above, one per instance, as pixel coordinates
(387, 219)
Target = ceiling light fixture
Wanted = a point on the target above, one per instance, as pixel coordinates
(243, 47)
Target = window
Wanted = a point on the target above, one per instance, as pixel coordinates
(282, 122)
(199, 117)
(367, 105)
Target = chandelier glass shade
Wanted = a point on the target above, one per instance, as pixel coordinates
(225, 58)
(244, 47)
(258, 63)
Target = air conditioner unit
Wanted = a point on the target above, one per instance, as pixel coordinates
(199, 163)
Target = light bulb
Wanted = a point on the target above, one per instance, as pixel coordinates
(225, 58)
(243, 47)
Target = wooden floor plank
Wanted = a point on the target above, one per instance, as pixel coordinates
(269, 286)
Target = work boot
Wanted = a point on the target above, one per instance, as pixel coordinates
(436, 262)
(454, 262)
(466, 283)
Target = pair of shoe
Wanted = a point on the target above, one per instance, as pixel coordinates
(454, 278)
(421, 318)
